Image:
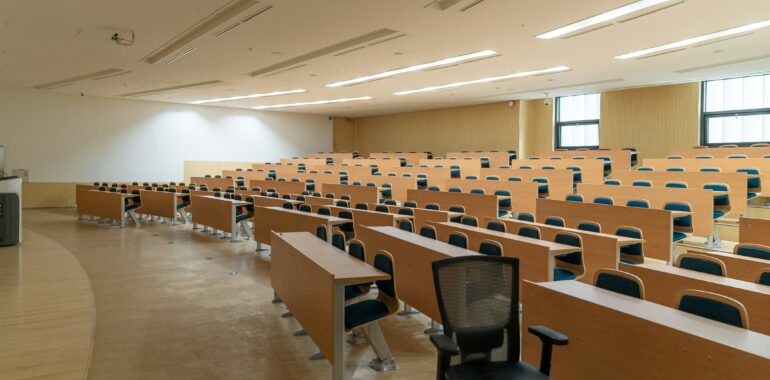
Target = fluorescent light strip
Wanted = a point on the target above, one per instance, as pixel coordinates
(313, 103)
(695, 40)
(180, 55)
(252, 96)
(604, 17)
(423, 66)
(551, 70)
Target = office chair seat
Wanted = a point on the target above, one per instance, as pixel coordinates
(364, 312)
(502, 213)
(678, 236)
(242, 217)
(131, 207)
(561, 274)
(494, 370)
(718, 214)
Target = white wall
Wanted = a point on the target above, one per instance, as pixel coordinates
(66, 138)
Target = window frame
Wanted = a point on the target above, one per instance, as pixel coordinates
(558, 124)
(704, 115)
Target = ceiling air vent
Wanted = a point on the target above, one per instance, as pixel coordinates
(68, 81)
(218, 19)
(173, 88)
(471, 5)
(331, 49)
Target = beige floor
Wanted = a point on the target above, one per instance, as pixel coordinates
(176, 304)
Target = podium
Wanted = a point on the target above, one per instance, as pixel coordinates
(10, 211)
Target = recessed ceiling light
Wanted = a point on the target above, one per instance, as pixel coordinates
(317, 102)
(252, 96)
(423, 66)
(695, 40)
(551, 70)
(598, 19)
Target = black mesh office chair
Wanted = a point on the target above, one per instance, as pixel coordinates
(481, 312)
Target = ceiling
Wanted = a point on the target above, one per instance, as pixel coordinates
(58, 43)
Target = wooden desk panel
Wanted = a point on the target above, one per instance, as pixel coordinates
(436, 176)
(399, 184)
(752, 152)
(319, 178)
(656, 225)
(247, 175)
(261, 201)
(336, 169)
(103, 204)
(158, 203)
(281, 187)
(536, 259)
(607, 329)
(413, 255)
(381, 163)
(267, 219)
(336, 157)
(621, 159)
(695, 180)
(218, 213)
(662, 283)
(599, 250)
(365, 217)
(755, 231)
(560, 182)
(212, 183)
(321, 201)
(303, 161)
(478, 205)
(523, 194)
(495, 158)
(592, 171)
(318, 308)
(742, 268)
(358, 194)
(467, 167)
(726, 164)
(701, 201)
(411, 158)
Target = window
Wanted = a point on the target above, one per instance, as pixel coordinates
(736, 111)
(577, 121)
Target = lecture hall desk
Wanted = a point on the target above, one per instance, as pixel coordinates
(160, 203)
(267, 219)
(103, 204)
(612, 336)
(215, 212)
(422, 215)
(320, 307)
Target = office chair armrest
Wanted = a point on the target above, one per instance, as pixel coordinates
(445, 345)
(548, 336)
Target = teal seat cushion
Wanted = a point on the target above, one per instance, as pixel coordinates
(561, 274)
(242, 217)
(618, 284)
(132, 207)
(718, 214)
(502, 213)
(364, 312)
(627, 262)
(751, 195)
(678, 236)
(711, 309)
(757, 253)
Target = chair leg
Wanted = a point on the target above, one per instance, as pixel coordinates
(714, 241)
(357, 336)
(434, 328)
(134, 218)
(408, 310)
(384, 361)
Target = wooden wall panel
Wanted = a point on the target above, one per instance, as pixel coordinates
(536, 125)
(47, 194)
(201, 168)
(653, 120)
(491, 126)
(344, 134)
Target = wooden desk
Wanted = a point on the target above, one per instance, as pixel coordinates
(160, 203)
(701, 201)
(467, 167)
(523, 194)
(336, 157)
(620, 158)
(267, 219)
(422, 215)
(399, 184)
(319, 200)
(560, 182)
(478, 205)
(310, 278)
(591, 171)
(435, 176)
(600, 250)
(413, 255)
(739, 267)
(338, 168)
(612, 336)
(725, 164)
(247, 175)
(281, 187)
(656, 225)
(358, 194)
(102, 204)
(536, 257)
(754, 231)
(213, 183)
(214, 212)
(303, 161)
(411, 158)
(662, 283)
(495, 158)
(366, 218)
(319, 178)
(752, 152)
(695, 180)
(262, 201)
(381, 163)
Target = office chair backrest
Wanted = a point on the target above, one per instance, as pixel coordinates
(676, 185)
(757, 251)
(324, 211)
(320, 232)
(356, 249)
(574, 198)
(619, 282)
(701, 263)
(496, 225)
(591, 226)
(457, 208)
(555, 221)
(641, 183)
(713, 306)
(381, 208)
(338, 240)
(763, 276)
(604, 201)
(305, 207)
(428, 232)
(383, 261)
(362, 206)
(479, 327)
(342, 203)
(410, 204)
(458, 239)
(406, 211)
(391, 202)
(432, 206)
(530, 232)
(490, 248)
(638, 203)
(469, 220)
(612, 182)
(526, 217)
(405, 225)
